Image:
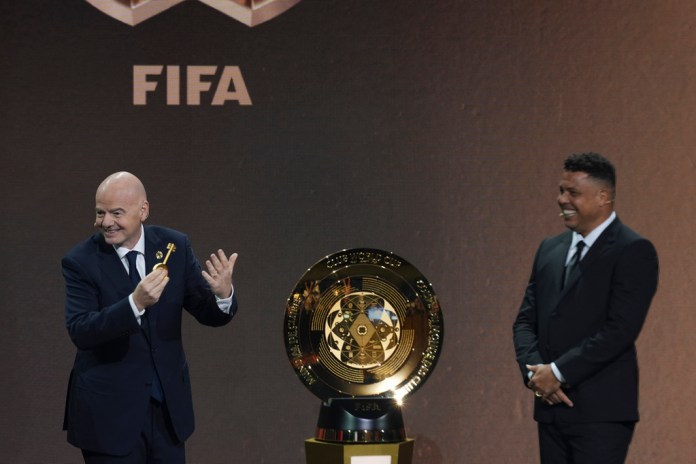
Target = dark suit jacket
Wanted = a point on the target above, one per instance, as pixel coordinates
(111, 379)
(590, 327)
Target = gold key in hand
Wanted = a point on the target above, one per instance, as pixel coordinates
(163, 264)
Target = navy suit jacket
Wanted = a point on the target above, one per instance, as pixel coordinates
(589, 328)
(110, 382)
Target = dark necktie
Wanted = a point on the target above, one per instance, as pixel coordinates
(132, 268)
(134, 275)
(574, 261)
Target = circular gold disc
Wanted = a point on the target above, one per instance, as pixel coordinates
(363, 322)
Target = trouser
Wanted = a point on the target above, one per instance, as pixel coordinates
(157, 444)
(585, 443)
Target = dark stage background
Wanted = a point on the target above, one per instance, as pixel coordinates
(435, 130)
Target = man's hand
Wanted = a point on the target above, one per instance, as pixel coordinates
(546, 386)
(150, 289)
(219, 273)
(558, 396)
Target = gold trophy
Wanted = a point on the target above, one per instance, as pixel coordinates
(363, 329)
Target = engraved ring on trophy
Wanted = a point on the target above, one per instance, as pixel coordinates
(363, 323)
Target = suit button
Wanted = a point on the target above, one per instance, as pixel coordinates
(153, 350)
(148, 384)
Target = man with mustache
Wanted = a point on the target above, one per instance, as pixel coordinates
(129, 395)
(583, 309)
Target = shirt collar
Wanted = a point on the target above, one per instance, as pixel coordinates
(594, 235)
(139, 247)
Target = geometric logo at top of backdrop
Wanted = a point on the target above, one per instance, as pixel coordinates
(249, 12)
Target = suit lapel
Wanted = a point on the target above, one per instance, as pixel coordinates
(112, 268)
(153, 244)
(560, 254)
(603, 245)
(555, 262)
(600, 247)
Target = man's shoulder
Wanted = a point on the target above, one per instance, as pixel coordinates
(631, 243)
(87, 247)
(626, 233)
(154, 232)
(564, 237)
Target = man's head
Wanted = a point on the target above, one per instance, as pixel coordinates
(586, 191)
(121, 206)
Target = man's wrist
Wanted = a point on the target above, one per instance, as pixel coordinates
(137, 312)
(557, 373)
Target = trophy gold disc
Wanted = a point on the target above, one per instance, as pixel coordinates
(363, 323)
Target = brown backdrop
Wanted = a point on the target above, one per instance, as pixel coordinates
(435, 130)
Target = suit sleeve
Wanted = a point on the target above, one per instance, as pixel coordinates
(88, 324)
(199, 300)
(525, 326)
(634, 282)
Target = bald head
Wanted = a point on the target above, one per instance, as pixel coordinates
(125, 182)
(121, 207)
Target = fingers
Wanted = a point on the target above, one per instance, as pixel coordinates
(218, 273)
(563, 398)
(149, 290)
(156, 276)
(553, 398)
(160, 283)
(232, 259)
(549, 399)
(219, 263)
(216, 261)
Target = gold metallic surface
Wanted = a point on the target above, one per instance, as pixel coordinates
(163, 265)
(363, 322)
(322, 452)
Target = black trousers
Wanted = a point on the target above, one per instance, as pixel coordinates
(157, 444)
(585, 443)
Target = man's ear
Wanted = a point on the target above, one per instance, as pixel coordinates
(144, 211)
(605, 197)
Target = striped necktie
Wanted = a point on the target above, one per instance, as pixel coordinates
(572, 266)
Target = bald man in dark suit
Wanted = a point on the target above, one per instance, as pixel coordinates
(129, 396)
(583, 309)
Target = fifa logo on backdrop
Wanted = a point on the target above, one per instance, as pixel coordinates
(249, 12)
(222, 85)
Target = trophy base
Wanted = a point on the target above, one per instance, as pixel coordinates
(361, 420)
(321, 452)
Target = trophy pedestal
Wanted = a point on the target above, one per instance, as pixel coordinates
(321, 452)
(360, 420)
(360, 431)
